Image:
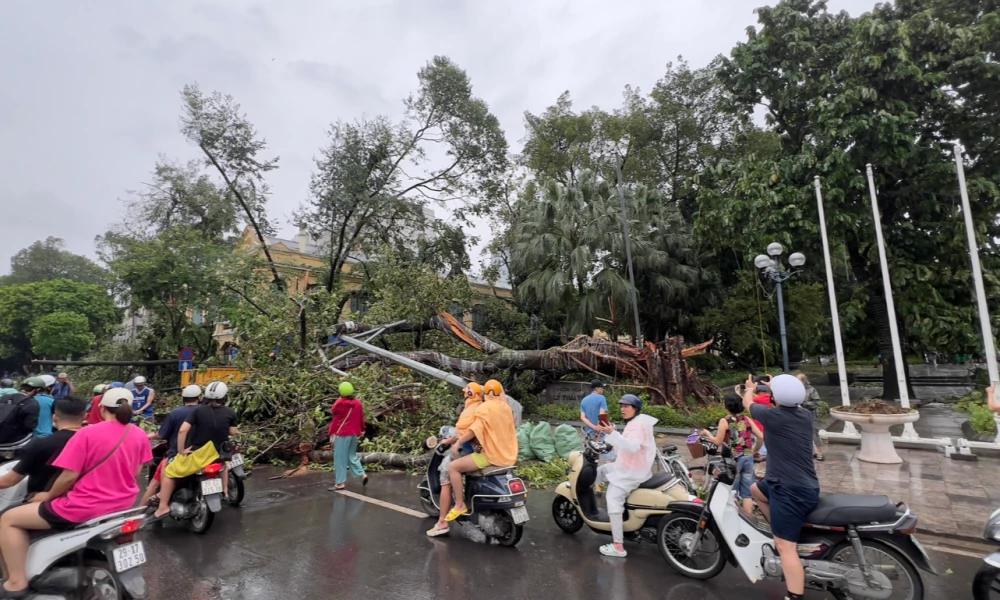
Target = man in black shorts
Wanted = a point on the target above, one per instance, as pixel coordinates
(790, 490)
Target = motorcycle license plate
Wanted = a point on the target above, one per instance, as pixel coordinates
(520, 514)
(235, 461)
(128, 556)
(211, 486)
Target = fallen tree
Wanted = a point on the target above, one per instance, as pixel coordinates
(662, 367)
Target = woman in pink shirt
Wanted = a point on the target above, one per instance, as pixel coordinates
(100, 465)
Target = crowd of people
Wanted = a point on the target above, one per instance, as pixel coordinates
(83, 459)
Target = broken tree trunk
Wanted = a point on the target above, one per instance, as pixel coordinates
(667, 375)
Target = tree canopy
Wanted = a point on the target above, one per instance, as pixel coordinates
(48, 259)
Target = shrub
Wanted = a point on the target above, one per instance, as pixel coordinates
(982, 421)
(706, 363)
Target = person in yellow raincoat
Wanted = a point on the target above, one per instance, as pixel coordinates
(493, 428)
(473, 399)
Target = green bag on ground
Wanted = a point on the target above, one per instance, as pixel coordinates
(524, 443)
(567, 440)
(542, 442)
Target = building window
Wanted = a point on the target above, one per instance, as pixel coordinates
(198, 317)
(478, 319)
(359, 303)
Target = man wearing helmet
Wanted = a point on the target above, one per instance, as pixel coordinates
(168, 431)
(473, 399)
(45, 401)
(790, 489)
(142, 398)
(7, 387)
(211, 422)
(94, 416)
(635, 452)
(493, 428)
(19, 412)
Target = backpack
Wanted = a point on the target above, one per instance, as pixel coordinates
(10, 429)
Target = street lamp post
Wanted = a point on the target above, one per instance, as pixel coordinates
(770, 265)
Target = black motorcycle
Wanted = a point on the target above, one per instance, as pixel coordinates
(495, 497)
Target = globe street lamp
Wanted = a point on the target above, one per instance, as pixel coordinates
(770, 266)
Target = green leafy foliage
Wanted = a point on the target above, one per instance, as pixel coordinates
(982, 421)
(62, 334)
(666, 416)
(542, 475)
(47, 260)
(22, 305)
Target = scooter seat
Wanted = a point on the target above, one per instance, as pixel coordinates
(851, 509)
(670, 449)
(657, 480)
(489, 471)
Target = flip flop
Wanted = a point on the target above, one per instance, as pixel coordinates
(455, 513)
(336, 488)
(435, 532)
(5, 593)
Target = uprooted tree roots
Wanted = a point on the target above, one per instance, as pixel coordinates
(662, 367)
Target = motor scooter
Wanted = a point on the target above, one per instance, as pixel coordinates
(197, 498)
(237, 474)
(495, 497)
(852, 546)
(15, 494)
(986, 585)
(96, 559)
(575, 504)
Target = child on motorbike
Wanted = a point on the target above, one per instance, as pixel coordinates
(739, 431)
(473, 399)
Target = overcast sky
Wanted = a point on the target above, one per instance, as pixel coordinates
(90, 90)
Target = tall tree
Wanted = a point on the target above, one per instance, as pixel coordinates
(374, 179)
(891, 88)
(23, 305)
(233, 148)
(48, 259)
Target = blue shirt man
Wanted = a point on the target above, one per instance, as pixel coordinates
(592, 406)
(172, 424)
(45, 402)
(63, 387)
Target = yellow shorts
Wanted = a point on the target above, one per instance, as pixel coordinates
(480, 460)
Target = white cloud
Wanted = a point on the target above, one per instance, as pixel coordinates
(91, 90)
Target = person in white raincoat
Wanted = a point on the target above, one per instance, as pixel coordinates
(636, 451)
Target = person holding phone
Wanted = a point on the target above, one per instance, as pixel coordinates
(594, 408)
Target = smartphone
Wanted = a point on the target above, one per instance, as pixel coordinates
(603, 420)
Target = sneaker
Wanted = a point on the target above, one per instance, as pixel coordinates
(609, 550)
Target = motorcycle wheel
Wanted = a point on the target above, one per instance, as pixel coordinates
(877, 553)
(203, 520)
(677, 528)
(428, 505)
(986, 585)
(236, 490)
(565, 514)
(514, 532)
(100, 582)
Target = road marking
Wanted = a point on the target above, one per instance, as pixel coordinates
(384, 504)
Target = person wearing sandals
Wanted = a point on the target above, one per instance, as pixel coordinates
(473, 399)
(812, 405)
(347, 426)
(744, 438)
(100, 465)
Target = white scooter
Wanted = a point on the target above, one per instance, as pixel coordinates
(96, 559)
(853, 546)
(15, 494)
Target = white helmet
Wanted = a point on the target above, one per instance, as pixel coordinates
(788, 390)
(49, 380)
(218, 390)
(191, 391)
(140, 380)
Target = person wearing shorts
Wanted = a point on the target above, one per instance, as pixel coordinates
(740, 432)
(473, 393)
(790, 489)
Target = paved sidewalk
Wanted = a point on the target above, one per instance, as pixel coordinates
(951, 498)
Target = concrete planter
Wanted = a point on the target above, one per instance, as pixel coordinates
(876, 441)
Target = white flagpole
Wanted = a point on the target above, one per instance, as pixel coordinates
(977, 277)
(897, 351)
(845, 394)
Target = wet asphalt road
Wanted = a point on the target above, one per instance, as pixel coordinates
(294, 539)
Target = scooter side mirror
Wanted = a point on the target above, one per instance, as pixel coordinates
(432, 442)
